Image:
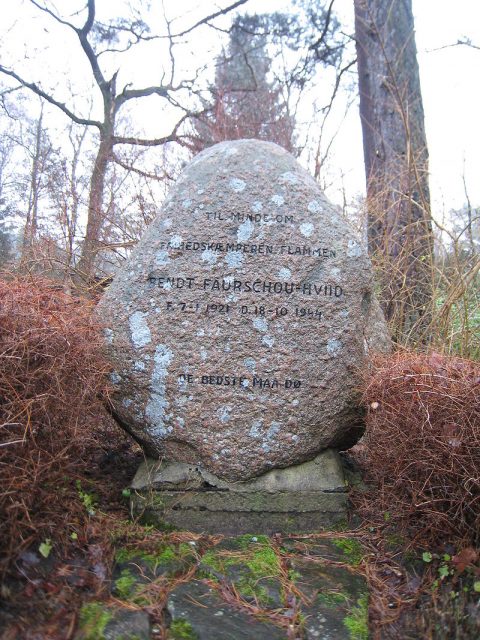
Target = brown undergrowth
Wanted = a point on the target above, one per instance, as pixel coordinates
(422, 444)
(420, 459)
(51, 378)
(63, 462)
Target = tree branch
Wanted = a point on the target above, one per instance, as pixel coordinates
(60, 105)
(326, 26)
(172, 137)
(130, 94)
(140, 172)
(207, 19)
(54, 15)
(461, 42)
(87, 47)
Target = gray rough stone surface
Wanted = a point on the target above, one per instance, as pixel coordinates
(304, 497)
(240, 324)
(210, 618)
(332, 594)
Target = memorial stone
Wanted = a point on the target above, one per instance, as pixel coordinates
(239, 327)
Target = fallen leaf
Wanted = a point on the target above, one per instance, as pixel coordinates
(466, 557)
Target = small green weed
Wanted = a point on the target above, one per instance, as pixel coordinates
(357, 620)
(92, 621)
(89, 500)
(351, 548)
(181, 630)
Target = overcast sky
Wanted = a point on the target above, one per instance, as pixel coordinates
(449, 75)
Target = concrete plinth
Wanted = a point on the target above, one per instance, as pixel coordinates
(302, 498)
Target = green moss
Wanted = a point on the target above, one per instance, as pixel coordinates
(156, 501)
(246, 541)
(256, 562)
(213, 560)
(340, 526)
(181, 630)
(135, 555)
(351, 548)
(124, 585)
(332, 598)
(294, 576)
(357, 620)
(263, 562)
(165, 555)
(93, 619)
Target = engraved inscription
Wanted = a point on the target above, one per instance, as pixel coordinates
(247, 382)
(246, 286)
(250, 217)
(261, 249)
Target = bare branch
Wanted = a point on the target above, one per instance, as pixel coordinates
(325, 29)
(207, 19)
(60, 105)
(130, 94)
(141, 172)
(87, 47)
(461, 42)
(54, 15)
(85, 30)
(155, 142)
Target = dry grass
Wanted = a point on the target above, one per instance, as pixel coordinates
(422, 444)
(51, 378)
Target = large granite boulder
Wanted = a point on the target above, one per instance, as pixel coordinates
(239, 326)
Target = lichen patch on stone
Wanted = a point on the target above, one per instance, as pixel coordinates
(237, 185)
(139, 329)
(245, 230)
(306, 229)
(260, 324)
(157, 403)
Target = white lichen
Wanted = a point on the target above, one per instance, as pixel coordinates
(284, 273)
(209, 256)
(314, 207)
(306, 229)
(354, 249)
(245, 230)
(139, 330)
(115, 377)
(234, 259)
(162, 258)
(176, 241)
(223, 413)
(255, 429)
(290, 177)
(237, 185)
(268, 340)
(157, 404)
(250, 364)
(260, 324)
(334, 347)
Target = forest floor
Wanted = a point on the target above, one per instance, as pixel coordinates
(118, 579)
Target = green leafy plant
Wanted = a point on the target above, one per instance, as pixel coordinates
(45, 548)
(88, 499)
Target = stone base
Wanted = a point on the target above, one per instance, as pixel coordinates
(303, 498)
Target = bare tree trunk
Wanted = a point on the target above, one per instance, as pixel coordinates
(396, 163)
(31, 223)
(95, 220)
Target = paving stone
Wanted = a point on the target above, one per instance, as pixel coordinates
(196, 609)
